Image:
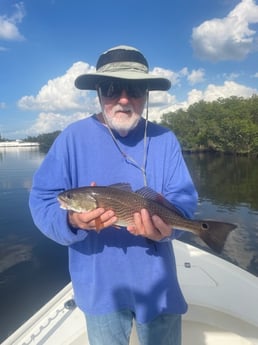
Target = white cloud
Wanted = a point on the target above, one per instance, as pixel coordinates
(9, 25)
(160, 98)
(231, 76)
(172, 76)
(229, 38)
(59, 97)
(158, 104)
(211, 93)
(256, 75)
(196, 76)
(194, 96)
(60, 103)
(50, 122)
(60, 94)
(228, 89)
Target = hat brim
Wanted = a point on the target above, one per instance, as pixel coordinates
(91, 80)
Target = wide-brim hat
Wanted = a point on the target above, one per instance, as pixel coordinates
(122, 62)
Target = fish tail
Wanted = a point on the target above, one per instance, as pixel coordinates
(214, 234)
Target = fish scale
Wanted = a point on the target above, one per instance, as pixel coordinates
(124, 202)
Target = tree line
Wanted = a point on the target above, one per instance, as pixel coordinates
(44, 140)
(228, 125)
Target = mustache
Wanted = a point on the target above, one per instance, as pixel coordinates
(118, 108)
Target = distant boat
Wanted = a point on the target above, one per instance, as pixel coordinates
(222, 299)
(17, 143)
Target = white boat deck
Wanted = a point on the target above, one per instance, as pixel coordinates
(223, 307)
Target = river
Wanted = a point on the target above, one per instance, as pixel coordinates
(33, 268)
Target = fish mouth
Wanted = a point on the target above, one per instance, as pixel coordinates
(62, 202)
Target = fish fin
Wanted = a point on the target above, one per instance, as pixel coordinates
(117, 227)
(98, 224)
(150, 194)
(214, 234)
(122, 186)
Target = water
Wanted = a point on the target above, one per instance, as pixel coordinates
(228, 191)
(33, 268)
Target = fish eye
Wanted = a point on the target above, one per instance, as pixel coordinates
(205, 226)
(69, 195)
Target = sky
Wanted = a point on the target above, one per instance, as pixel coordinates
(207, 48)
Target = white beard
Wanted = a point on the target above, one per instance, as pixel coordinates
(122, 122)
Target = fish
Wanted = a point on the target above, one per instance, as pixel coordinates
(125, 202)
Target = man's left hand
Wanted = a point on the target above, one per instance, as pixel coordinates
(151, 227)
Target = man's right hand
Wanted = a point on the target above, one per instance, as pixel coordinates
(96, 220)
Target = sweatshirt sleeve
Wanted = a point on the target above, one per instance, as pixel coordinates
(51, 178)
(179, 188)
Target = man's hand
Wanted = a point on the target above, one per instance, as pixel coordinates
(150, 227)
(97, 219)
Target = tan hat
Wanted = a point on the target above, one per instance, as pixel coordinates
(122, 62)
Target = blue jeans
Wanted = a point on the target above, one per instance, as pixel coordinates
(115, 329)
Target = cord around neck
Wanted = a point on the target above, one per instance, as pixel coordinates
(124, 154)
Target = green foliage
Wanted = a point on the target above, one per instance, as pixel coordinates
(226, 125)
(45, 140)
(2, 138)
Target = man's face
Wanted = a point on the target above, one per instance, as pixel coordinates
(123, 103)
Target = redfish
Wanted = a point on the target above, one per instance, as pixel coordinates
(124, 202)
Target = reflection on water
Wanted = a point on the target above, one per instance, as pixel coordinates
(241, 247)
(16, 166)
(226, 180)
(28, 277)
(228, 189)
(33, 268)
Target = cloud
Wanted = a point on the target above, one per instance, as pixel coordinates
(229, 38)
(50, 122)
(171, 75)
(59, 103)
(174, 77)
(59, 97)
(196, 76)
(213, 92)
(9, 25)
(60, 94)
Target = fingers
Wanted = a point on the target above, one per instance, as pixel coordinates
(97, 219)
(151, 227)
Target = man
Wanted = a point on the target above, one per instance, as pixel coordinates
(129, 273)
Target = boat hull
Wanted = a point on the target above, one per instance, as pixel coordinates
(213, 288)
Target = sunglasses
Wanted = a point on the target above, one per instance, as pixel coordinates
(114, 89)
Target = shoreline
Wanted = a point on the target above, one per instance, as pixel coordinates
(6, 144)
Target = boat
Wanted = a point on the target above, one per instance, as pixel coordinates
(17, 143)
(222, 299)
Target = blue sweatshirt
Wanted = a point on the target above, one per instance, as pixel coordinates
(114, 270)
